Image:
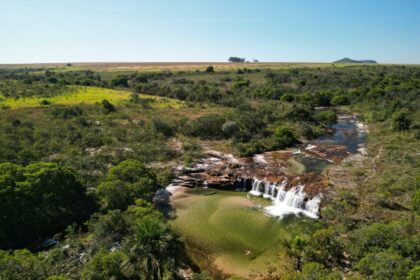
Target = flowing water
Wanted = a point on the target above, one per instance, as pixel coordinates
(292, 199)
(348, 132)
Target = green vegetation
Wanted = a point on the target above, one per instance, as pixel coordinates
(83, 148)
(87, 95)
(124, 183)
(50, 195)
(327, 117)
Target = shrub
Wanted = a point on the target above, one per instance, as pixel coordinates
(327, 117)
(306, 131)
(287, 97)
(313, 270)
(52, 80)
(208, 126)
(340, 100)
(120, 81)
(135, 98)
(45, 102)
(141, 79)
(210, 69)
(325, 247)
(104, 265)
(414, 274)
(241, 84)
(66, 112)
(283, 137)
(251, 148)
(163, 127)
(400, 120)
(21, 264)
(300, 113)
(108, 228)
(230, 129)
(378, 236)
(58, 277)
(107, 106)
(384, 265)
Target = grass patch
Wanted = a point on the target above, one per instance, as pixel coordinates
(88, 95)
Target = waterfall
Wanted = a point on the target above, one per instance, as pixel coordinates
(294, 197)
(274, 191)
(281, 192)
(267, 189)
(312, 207)
(256, 187)
(285, 202)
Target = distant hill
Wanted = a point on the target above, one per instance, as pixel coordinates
(349, 60)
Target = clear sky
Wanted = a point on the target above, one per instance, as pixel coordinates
(209, 30)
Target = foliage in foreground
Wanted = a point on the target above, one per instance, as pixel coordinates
(39, 199)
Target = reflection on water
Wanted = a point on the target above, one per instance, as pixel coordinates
(348, 132)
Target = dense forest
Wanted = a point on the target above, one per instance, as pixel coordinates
(82, 175)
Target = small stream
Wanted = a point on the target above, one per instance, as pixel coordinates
(348, 132)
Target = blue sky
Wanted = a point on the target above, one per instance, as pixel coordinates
(199, 30)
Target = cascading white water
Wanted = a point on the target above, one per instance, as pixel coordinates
(281, 192)
(255, 187)
(274, 191)
(294, 197)
(286, 202)
(312, 206)
(267, 189)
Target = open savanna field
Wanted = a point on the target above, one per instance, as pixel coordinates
(85, 95)
(167, 66)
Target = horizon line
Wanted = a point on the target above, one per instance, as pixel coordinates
(190, 62)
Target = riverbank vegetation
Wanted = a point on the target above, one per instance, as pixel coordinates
(82, 152)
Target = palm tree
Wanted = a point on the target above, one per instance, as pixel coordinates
(148, 249)
(295, 249)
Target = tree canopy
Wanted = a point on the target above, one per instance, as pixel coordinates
(126, 182)
(236, 59)
(50, 195)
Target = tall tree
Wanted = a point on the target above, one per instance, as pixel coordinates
(125, 183)
(148, 249)
(295, 248)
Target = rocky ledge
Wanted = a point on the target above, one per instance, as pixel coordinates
(219, 170)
